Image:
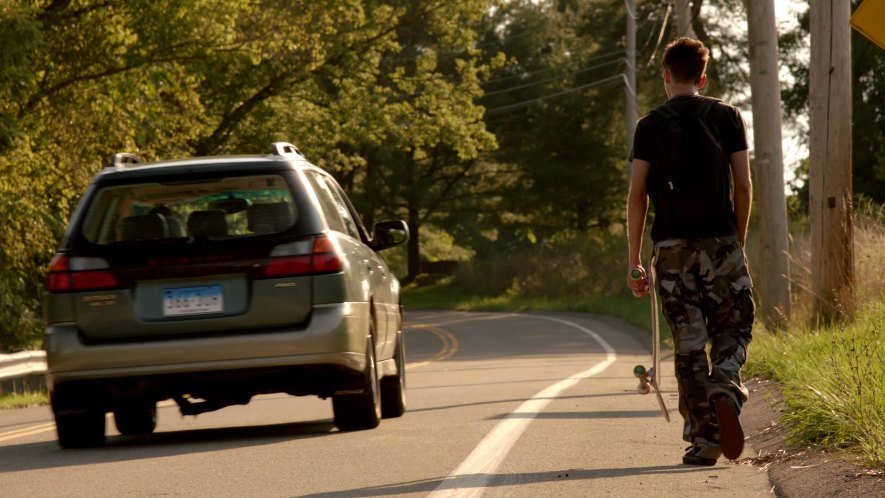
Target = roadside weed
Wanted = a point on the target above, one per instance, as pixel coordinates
(8, 401)
(833, 383)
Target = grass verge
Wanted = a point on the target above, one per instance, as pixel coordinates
(832, 382)
(8, 401)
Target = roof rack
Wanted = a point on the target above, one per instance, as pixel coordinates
(121, 160)
(285, 149)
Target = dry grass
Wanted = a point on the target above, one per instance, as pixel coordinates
(869, 254)
(869, 263)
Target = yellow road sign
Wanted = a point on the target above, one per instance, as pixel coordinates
(869, 19)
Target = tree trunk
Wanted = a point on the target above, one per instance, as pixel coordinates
(371, 191)
(774, 284)
(682, 17)
(713, 88)
(830, 190)
(414, 246)
(630, 76)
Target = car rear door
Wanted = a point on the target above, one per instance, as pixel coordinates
(367, 267)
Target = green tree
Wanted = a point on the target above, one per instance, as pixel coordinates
(377, 92)
(868, 116)
(868, 106)
(85, 79)
(557, 111)
(416, 128)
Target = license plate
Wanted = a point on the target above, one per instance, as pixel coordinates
(192, 300)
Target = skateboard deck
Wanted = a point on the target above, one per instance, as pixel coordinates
(651, 377)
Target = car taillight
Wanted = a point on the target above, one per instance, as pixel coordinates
(306, 257)
(71, 274)
(288, 266)
(325, 256)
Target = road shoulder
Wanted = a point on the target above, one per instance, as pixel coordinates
(793, 472)
(796, 472)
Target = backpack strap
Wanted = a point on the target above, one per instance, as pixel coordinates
(665, 112)
(704, 107)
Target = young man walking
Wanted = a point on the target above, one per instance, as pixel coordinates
(690, 158)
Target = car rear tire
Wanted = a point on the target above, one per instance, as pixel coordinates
(137, 419)
(357, 412)
(80, 430)
(393, 389)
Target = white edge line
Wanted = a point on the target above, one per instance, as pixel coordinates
(471, 477)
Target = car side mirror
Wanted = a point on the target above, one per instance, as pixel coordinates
(389, 233)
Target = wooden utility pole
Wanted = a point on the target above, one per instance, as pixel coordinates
(682, 17)
(830, 191)
(630, 78)
(774, 285)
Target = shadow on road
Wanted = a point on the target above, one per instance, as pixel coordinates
(515, 479)
(583, 415)
(515, 400)
(48, 455)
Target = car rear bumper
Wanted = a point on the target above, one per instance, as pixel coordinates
(332, 344)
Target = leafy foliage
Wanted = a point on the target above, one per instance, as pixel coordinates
(496, 127)
(359, 85)
(555, 108)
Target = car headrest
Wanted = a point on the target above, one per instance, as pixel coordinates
(212, 223)
(269, 217)
(142, 227)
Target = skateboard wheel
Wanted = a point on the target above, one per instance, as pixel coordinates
(639, 371)
(643, 388)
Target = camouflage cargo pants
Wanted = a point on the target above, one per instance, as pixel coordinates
(706, 296)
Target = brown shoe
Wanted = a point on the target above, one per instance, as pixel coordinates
(698, 454)
(731, 434)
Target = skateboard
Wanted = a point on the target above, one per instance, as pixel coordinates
(650, 379)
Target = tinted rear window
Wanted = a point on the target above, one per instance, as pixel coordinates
(216, 208)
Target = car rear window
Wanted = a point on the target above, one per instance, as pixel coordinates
(215, 208)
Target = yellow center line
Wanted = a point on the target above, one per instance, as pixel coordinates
(449, 347)
(27, 431)
(48, 426)
(449, 344)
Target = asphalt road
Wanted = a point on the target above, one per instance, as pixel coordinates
(499, 405)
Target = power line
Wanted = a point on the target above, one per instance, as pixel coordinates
(508, 37)
(443, 54)
(619, 53)
(548, 80)
(527, 103)
(661, 35)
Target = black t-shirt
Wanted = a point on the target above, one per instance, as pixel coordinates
(732, 133)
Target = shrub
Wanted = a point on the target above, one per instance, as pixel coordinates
(581, 266)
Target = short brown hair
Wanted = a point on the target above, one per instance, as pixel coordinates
(686, 59)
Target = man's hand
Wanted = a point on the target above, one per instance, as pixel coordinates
(637, 281)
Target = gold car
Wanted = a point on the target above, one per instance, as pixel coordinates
(211, 280)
